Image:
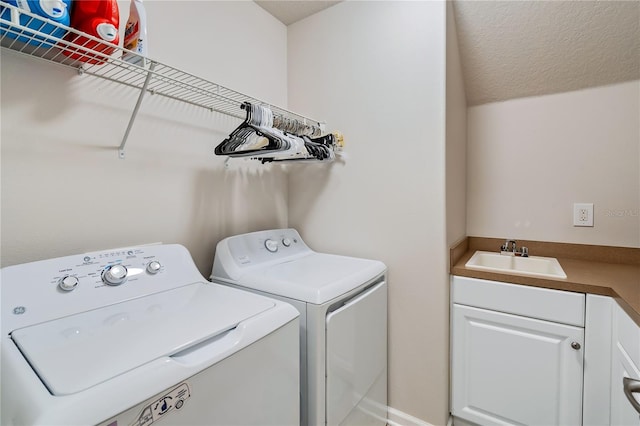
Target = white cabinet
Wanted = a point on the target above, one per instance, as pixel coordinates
(625, 360)
(517, 354)
(515, 370)
(533, 356)
(596, 405)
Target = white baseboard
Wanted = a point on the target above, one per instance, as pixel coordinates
(459, 422)
(399, 418)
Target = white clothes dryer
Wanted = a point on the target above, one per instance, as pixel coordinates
(136, 336)
(343, 320)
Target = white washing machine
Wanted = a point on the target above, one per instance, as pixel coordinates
(137, 336)
(343, 320)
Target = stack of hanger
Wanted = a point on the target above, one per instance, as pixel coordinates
(266, 138)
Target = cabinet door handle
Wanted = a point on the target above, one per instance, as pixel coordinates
(575, 345)
(631, 386)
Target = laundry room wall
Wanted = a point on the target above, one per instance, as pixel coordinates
(456, 138)
(64, 190)
(530, 159)
(376, 72)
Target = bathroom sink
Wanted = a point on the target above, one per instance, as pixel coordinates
(532, 265)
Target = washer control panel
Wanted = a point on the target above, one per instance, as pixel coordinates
(39, 291)
(111, 268)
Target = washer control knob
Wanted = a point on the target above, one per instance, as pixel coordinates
(271, 245)
(68, 283)
(286, 242)
(153, 267)
(114, 274)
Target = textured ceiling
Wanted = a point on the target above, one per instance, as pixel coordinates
(512, 49)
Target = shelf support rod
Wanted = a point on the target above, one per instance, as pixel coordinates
(143, 91)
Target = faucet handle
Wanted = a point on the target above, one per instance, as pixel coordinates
(505, 246)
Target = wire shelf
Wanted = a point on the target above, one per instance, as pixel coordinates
(35, 36)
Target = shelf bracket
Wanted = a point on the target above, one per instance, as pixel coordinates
(143, 91)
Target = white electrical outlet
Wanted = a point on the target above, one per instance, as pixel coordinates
(582, 214)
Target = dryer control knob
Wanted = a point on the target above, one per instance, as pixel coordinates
(68, 283)
(114, 275)
(153, 267)
(286, 242)
(271, 245)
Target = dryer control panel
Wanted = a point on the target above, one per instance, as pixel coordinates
(239, 252)
(265, 246)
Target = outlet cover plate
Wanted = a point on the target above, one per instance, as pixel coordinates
(583, 214)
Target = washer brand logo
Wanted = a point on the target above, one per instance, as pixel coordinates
(155, 411)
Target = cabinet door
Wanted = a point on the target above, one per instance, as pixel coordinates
(622, 412)
(508, 369)
(625, 363)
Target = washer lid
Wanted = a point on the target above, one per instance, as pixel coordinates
(316, 278)
(74, 353)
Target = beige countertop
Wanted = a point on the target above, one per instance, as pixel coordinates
(608, 271)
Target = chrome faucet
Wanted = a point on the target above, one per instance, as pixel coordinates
(505, 247)
(510, 248)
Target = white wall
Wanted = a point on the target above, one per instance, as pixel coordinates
(456, 138)
(530, 159)
(376, 71)
(65, 191)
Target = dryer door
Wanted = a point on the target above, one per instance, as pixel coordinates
(357, 360)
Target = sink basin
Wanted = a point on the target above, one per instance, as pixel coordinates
(533, 265)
